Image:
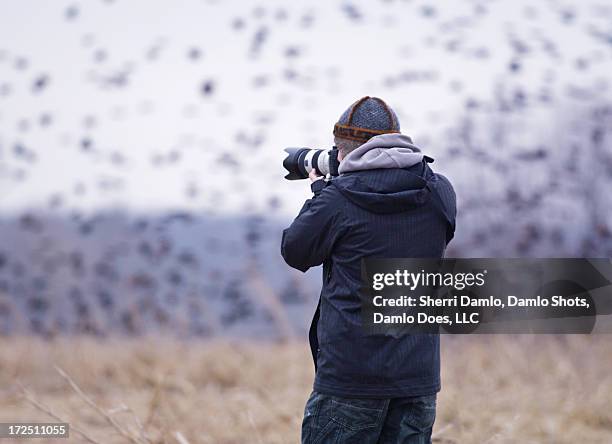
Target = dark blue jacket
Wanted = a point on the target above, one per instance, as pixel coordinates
(385, 213)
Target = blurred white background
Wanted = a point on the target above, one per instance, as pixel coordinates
(141, 141)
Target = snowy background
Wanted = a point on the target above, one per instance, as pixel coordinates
(141, 186)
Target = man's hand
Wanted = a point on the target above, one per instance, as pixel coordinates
(313, 175)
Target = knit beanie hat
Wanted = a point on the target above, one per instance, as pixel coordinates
(366, 118)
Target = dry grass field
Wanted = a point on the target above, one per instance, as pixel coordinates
(496, 389)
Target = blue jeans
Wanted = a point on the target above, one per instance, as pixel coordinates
(335, 420)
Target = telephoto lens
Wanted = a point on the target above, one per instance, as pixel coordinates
(301, 161)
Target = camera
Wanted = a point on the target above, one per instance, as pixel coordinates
(301, 161)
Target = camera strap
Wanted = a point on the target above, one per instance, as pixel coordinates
(312, 334)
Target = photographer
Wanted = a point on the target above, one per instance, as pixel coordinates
(386, 202)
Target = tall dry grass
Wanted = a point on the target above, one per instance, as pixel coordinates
(496, 389)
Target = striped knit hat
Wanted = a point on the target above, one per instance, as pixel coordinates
(366, 118)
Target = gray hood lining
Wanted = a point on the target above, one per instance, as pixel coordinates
(380, 152)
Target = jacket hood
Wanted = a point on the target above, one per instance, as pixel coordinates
(387, 174)
(383, 151)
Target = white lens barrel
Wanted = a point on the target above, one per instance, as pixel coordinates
(321, 157)
(323, 162)
(308, 166)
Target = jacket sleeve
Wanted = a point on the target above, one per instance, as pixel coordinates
(310, 238)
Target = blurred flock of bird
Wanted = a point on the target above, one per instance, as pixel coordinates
(141, 187)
